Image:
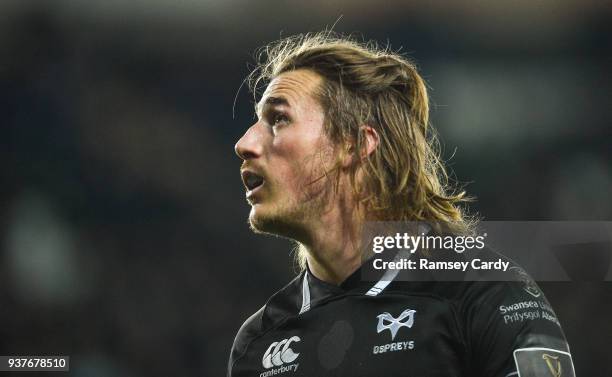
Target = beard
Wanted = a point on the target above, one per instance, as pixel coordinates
(288, 211)
(290, 217)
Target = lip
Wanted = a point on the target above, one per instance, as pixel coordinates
(250, 194)
(245, 175)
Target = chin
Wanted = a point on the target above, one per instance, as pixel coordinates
(270, 222)
(262, 222)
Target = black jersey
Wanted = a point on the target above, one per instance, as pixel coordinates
(399, 328)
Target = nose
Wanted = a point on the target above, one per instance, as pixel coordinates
(249, 146)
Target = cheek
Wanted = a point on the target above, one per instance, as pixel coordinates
(291, 173)
(292, 156)
(307, 175)
(284, 170)
(302, 158)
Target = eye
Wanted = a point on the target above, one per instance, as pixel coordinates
(279, 119)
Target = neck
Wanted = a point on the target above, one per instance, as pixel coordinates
(333, 246)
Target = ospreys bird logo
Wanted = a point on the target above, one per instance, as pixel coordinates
(387, 322)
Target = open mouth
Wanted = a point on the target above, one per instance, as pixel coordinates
(251, 180)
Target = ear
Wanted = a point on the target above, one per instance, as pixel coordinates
(371, 139)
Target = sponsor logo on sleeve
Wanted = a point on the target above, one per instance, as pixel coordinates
(528, 310)
(280, 355)
(538, 362)
(554, 364)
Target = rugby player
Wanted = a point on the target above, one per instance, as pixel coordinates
(342, 137)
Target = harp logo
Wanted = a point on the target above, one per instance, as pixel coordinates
(387, 322)
(553, 363)
(540, 362)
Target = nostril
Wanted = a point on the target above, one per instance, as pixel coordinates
(245, 154)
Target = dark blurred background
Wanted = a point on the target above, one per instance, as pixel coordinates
(123, 221)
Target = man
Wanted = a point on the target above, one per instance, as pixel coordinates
(342, 138)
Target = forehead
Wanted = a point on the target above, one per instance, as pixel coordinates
(292, 88)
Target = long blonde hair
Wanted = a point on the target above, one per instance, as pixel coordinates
(404, 179)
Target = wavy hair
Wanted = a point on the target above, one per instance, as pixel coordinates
(404, 179)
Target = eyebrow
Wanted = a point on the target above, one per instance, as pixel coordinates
(272, 101)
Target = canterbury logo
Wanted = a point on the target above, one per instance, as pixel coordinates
(387, 322)
(279, 353)
(554, 365)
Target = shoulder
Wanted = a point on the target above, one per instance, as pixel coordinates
(249, 330)
(280, 305)
(512, 323)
